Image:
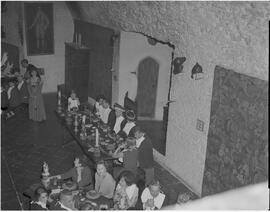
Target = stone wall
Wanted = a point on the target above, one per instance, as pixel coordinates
(237, 148)
(230, 34)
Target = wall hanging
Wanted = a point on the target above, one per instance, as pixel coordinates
(39, 28)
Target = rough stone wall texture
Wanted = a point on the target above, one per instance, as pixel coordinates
(230, 34)
(237, 149)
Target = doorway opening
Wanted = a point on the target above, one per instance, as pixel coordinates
(144, 80)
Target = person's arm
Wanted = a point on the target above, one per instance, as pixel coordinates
(144, 197)
(131, 202)
(97, 183)
(118, 153)
(66, 175)
(111, 119)
(160, 199)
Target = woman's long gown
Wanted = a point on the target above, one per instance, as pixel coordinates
(36, 103)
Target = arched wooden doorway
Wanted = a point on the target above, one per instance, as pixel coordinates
(147, 87)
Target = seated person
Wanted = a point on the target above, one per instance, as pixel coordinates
(120, 120)
(73, 101)
(126, 192)
(80, 173)
(14, 99)
(66, 202)
(40, 200)
(107, 115)
(152, 198)
(104, 182)
(23, 90)
(98, 105)
(44, 183)
(128, 130)
(128, 154)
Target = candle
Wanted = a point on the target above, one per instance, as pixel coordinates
(59, 97)
(59, 93)
(83, 119)
(97, 137)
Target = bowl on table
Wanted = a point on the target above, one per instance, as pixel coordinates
(92, 194)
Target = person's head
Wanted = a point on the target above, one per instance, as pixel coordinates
(24, 63)
(80, 161)
(127, 178)
(11, 83)
(100, 99)
(138, 132)
(154, 188)
(101, 168)
(118, 110)
(183, 198)
(131, 142)
(73, 94)
(66, 198)
(34, 73)
(41, 195)
(20, 78)
(105, 103)
(130, 116)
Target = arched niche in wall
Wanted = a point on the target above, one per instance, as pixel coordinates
(148, 69)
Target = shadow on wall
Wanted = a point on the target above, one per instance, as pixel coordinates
(238, 133)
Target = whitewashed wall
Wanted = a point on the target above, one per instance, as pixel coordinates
(134, 48)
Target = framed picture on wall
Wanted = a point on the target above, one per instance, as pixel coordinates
(39, 28)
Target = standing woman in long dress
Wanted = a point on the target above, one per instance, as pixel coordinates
(36, 103)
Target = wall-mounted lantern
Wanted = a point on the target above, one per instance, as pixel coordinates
(178, 65)
(197, 72)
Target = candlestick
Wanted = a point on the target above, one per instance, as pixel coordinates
(97, 137)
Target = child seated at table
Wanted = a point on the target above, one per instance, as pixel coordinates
(104, 182)
(126, 192)
(80, 173)
(73, 101)
(40, 202)
(66, 202)
(151, 197)
(98, 105)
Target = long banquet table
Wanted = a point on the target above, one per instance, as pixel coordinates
(88, 143)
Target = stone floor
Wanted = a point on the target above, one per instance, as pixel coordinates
(26, 144)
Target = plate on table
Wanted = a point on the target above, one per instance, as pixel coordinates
(107, 140)
(91, 149)
(92, 194)
(95, 120)
(88, 125)
(103, 143)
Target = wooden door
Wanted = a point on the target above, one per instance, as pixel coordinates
(147, 87)
(98, 39)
